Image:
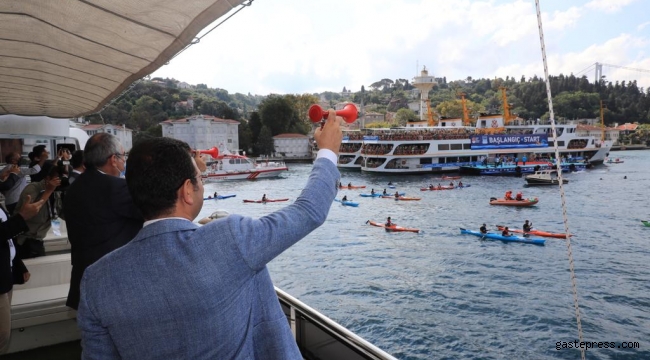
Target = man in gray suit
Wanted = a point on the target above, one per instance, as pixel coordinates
(180, 291)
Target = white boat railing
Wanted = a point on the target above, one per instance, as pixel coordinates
(319, 337)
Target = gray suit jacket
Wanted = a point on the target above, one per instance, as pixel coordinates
(179, 291)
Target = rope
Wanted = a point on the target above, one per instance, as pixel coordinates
(574, 284)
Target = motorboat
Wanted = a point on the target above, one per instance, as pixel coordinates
(544, 177)
(229, 166)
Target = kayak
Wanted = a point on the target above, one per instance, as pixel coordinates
(450, 177)
(435, 188)
(511, 238)
(391, 186)
(347, 203)
(646, 223)
(524, 202)
(391, 196)
(220, 197)
(407, 198)
(394, 228)
(266, 201)
(352, 187)
(535, 232)
(371, 195)
(464, 186)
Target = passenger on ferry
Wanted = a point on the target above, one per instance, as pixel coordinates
(483, 229)
(263, 197)
(211, 273)
(519, 196)
(30, 243)
(508, 195)
(12, 269)
(99, 212)
(8, 178)
(505, 232)
(389, 223)
(38, 156)
(12, 194)
(527, 226)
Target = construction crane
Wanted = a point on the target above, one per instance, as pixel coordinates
(430, 120)
(507, 117)
(465, 111)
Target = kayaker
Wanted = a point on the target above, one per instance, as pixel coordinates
(389, 223)
(215, 195)
(390, 183)
(372, 191)
(345, 198)
(460, 184)
(385, 193)
(264, 198)
(439, 186)
(527, 226)
(451, 184)
(483, 229)
(396, 195)
(505, 232)
(508, 195)
(350, 185)
(431, 186)
(519, 196)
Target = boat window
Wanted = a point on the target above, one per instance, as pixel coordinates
(560, 143)
(467, 146)
(463, 159)
(551, 143)
(457, 146)
(443, 147)
(231, 161)
(426, 161)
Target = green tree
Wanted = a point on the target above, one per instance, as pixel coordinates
(277, 113)
(405, 115)
(265, 145)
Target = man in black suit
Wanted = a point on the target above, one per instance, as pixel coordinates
(77, 164)
(99, 212)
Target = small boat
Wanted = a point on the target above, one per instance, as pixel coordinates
(524, 202)
(406, 198)
(444, 177)
(435, 188)
(646, 223)
(371, 195)
(617, 161)
(347, 203)
(265, 201)
(352, 187)
(535, 232)
(394, 228)
(233, 166)
(511, 238)
(391, 196)
(220, 197)
(544, 177)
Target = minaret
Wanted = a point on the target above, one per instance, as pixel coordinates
(424, 83)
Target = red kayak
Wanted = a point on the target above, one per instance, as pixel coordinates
(536, 232)
(406, 198)
(353, 187)
(265, 201)
(394, 228)
(435, 188)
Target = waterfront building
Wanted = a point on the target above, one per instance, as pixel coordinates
(203, 132)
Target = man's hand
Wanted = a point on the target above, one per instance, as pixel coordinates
(52, 184)
(29, 209)
(330, 135)
(26, 276)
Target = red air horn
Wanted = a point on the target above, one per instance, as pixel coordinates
(214, 152)
(349, 114)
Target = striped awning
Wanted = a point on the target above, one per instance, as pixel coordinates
(67, 58)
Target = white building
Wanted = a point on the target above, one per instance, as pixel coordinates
(124, 135)
(203, 132)
(292, 145)
(597, 131)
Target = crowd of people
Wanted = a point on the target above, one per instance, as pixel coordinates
(131, 226)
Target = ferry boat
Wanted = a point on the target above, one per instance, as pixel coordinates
(470, 146)
(229, 166)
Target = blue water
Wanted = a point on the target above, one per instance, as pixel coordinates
(443, 295)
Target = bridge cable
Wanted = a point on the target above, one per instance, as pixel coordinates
(560, 180)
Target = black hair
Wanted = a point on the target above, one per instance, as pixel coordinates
(155, 170)
(77, 159)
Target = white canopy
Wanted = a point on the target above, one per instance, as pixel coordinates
(67, 58)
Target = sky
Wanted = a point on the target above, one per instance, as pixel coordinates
(309, 46)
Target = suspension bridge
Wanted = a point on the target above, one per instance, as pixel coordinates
(612, 73)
